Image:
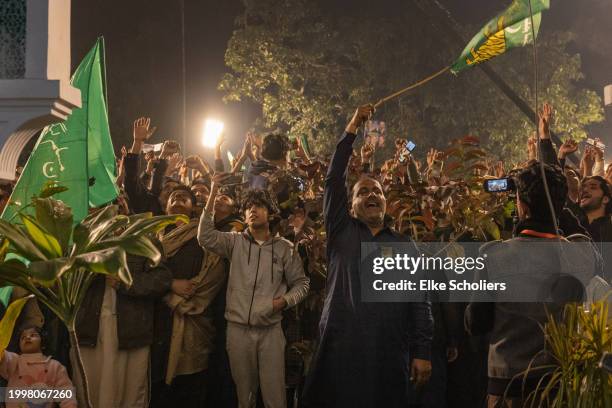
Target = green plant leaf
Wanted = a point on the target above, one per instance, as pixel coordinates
(14, 272)
(47, 243)
(21, 242)
(133, 245)
(153, 224)
(86, 231)
(45, 273)
(55, 217)
(4, 246)
(110, 261)
(7, 324)
(107, 229)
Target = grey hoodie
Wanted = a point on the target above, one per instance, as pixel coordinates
(258, 273)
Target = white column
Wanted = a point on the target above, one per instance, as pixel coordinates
(44, 95)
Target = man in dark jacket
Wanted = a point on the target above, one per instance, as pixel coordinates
(546, 265)
(364, 354)
(141, 197)
(115, 331)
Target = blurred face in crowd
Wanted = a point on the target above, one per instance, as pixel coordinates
(165, 192)
(257, 217)
(201, 193)
(30, 341)
(224, 204)
(179, 202)
(592, 196)
(369, 203)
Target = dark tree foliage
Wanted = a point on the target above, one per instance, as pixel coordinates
(309, 68)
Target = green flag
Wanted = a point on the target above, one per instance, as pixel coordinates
(511, 28)
(78, 153)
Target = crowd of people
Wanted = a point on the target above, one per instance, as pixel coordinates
(257, 300)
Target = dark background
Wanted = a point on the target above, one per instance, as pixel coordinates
(143, 56)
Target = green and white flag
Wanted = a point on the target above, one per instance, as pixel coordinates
(77, 153)
(511, 28)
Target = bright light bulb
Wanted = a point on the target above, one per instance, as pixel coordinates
(212, 130)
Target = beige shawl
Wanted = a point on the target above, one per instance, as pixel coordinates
(192, 331)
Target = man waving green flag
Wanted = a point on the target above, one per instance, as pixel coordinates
(77, 153)
(511, 28)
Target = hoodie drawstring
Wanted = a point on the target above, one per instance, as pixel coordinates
(249, 261)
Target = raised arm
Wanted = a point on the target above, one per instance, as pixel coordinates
(221, 243)
(335, 200)
(547, 151)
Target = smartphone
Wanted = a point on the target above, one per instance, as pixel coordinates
(232, 180)
(410, 146)
(151, 147)
(595, 143)
(500, 185)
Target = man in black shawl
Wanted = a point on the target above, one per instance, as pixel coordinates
(368, 352)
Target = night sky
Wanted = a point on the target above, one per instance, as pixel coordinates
(143, 56)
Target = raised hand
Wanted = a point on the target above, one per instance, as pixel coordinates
(499, 169)
(587, 161)
(174, 161)
(598, 153)
(195, 162)
(432, 156)
(361, 115)
(568, 147)
(151, 161)
(169, 148)
(544, 123)
(532, 148)
(367, 150)
(142, 132)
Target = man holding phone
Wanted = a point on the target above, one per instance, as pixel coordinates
(266, 276)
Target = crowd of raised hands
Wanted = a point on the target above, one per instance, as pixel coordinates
(416, 180)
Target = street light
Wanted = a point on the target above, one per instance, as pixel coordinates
(212, 131)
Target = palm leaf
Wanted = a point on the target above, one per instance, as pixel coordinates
(41, 238)
(21, 242)
(7, 324)
(46, 273)
(56, 218)
(110, 261)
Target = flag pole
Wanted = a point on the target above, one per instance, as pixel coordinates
(183, 80)
(413, 86)
(536, 120)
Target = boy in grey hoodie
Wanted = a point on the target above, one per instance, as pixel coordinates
(266, 276)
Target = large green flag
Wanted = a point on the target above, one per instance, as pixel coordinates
(77, 153)
(511, 28)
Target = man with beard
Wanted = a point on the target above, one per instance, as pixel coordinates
(265, 277)
(367, 352)
(596, 204)
(184, 323)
